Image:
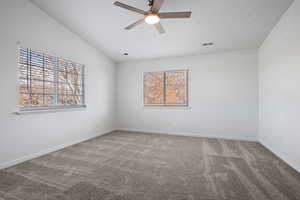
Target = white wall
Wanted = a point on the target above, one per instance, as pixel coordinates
(223, 96)
(26, 136)
(279, 76)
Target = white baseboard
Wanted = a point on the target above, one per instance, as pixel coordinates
(189, 134)
(50, 150)
(291, 163)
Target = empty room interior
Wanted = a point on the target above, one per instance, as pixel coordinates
(150, 100)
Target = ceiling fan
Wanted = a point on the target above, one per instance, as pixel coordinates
(153, 16)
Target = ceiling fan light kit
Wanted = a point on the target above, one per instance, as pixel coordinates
(153, 16)
(152, 19)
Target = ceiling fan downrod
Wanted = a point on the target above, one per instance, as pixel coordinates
(150, 3)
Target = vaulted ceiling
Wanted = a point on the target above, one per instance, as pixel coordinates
(230, 24)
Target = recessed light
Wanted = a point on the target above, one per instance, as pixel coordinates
(208, 44)
(125, 54)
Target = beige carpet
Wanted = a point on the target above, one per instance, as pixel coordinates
(137, 166)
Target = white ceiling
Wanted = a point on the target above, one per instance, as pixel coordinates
(230, 24)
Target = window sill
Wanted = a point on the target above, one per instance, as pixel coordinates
(50, 109)
(168, 107)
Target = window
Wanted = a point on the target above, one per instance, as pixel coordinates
(168, 88)
(47, 82)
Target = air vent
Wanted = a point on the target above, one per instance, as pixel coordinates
(208, 44)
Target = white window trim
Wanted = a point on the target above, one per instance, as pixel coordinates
(51, 109)
(170, 107)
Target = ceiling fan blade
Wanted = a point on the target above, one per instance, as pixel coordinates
(157, 5)
(135, 24)
(167, 15)
(122, 5)
(160, 28)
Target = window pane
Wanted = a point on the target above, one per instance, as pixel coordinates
(78, 100)
(63, 65)
(70, 83)
(24, 99)
(23, 71)
(70, 100)
(37, 73)
(49, 62)
(73, 89)
(176, 88)
(62, 76)
(49, 88)
(37, 100)
(62, 99)
(37, 87)
(75, 79)
(74, 100)
(24, 86)
(23, 55)
(48, 100)
(154, 88)
(36, 59)
(49, 74)
(76, 69)
(61, 88)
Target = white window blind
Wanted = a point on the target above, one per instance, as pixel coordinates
(49, 82)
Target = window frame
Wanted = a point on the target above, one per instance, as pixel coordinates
(55, 106)
(186, 105)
